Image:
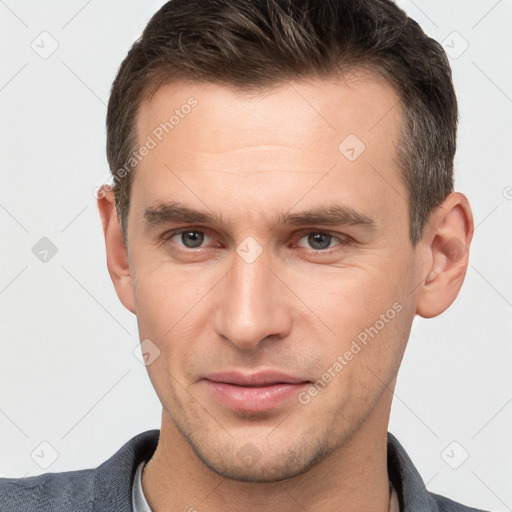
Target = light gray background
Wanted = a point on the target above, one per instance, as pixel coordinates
(68, 373)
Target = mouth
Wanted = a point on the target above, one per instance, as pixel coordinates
(256, 392)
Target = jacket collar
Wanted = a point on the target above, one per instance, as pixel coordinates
(113, 479)
(412, 493)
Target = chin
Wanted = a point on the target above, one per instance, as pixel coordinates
(259, 472)
(249, 464)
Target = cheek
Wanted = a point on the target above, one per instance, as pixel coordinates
(172, 311)
(168, 304)
(165, 295)
(348, 300)
(368, 313)
(360, 362)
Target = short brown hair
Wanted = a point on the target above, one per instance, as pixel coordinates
(254, 44)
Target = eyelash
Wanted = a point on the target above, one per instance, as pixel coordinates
(342, 239)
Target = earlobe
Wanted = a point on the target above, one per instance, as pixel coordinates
(117, 256)
(447, 237)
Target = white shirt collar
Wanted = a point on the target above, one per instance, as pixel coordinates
(139, 502)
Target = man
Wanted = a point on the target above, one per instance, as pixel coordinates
(282, 207)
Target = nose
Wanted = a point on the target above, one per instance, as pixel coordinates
(252, 307)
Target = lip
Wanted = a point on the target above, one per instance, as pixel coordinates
(255, 392)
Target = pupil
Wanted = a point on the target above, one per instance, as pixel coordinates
(194, 237)
(319, 240)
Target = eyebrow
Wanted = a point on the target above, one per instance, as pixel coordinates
(333, 215)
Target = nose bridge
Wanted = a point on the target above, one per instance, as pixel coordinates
(253, 305)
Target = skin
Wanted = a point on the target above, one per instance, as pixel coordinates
(296, 307)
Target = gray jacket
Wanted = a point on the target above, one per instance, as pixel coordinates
(108, 487)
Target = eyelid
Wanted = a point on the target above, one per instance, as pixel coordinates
(178, 231)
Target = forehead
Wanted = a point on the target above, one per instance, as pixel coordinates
(208, 141)
(223, 117)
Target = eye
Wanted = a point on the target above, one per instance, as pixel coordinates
(189, 238)
(319, 240)
(316, 241)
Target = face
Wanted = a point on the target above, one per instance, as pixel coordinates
(271, 266)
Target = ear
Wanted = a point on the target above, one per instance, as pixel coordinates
(117, 255)
(446, 240)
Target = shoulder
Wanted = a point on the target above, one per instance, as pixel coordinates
(105, 488)
(411, 490)
(51, 491)
(447, 505)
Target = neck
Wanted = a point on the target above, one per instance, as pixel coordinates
(353, 478)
